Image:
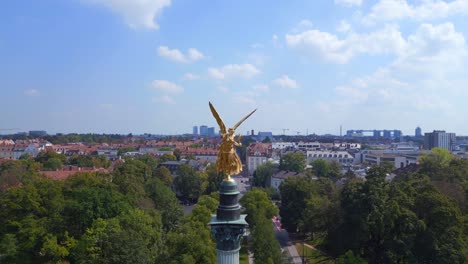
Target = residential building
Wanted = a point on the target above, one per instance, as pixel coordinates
(439, 139)
(343, 157)
(195, 130)
(399, 161)
(282, 145)
(257, 154)
(6, 151)
(308, 145)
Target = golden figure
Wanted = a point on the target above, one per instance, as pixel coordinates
(228, 161)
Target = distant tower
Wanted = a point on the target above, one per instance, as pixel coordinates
(203, 130)
(252, 133)
(418, 132)
(341, 130)
(195, 130)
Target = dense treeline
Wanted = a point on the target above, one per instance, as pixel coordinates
(129, 216)
(408, 220)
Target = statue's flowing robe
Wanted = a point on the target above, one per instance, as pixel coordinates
(228, 161)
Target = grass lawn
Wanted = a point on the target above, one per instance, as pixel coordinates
(313, 256)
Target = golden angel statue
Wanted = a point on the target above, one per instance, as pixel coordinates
(228, 161)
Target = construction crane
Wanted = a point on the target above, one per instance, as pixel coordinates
(298, 132)
(284, 130)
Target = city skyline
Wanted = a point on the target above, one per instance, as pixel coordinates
(106, 66)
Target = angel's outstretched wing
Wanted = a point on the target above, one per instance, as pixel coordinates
(218, 119)
(243, 119)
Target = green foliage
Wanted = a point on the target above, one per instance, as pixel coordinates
(350, 258)
(166, 202)
(89, 161)
(135, 237)
(208, 202)
(260, 210)
(256, 202)
(88, 197)
(188, 182)
(295, 192)
(125, 150)
(214, 179)
(164, 175)
(321, 168)
(167, 157)
(335, 169)
(262, 174)
(293, 161)
(265, 247)
(388, 166)
(51, 160)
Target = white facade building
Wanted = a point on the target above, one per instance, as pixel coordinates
(343, 157)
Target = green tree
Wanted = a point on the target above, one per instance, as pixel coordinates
(166, 202)
(294, 191)
(350, 258)
(265, 247)
(214, 179)
(164, 175)
(257, 202)
(167, 157)
(293, 161)
(262, 174)
(335, 169)
(321, 168)
(135, 237)
(188, 182)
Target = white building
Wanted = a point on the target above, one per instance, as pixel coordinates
(283, 145)
(257, 154)
(343, 157)
(308, 145)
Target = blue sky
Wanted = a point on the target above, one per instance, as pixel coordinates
(120, 66)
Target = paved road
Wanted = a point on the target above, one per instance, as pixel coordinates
(286, 244)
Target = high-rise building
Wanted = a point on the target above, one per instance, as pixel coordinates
(211, 132)
(439, 139)
(195, 130)
(203, 130)
(418, 132)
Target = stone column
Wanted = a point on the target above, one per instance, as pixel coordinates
(228, 225)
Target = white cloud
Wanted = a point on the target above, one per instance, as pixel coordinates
(349, 2)
(351, 92)
(305, 23)
(261, 88)
(166, 99)
(223, 89)
(343, 27)
(392, 10)
(136, 13)
(234, 70)
(176, 55)
(429, 74)
(31, 92)
(167, 86)
(285, 82)
(333, 49)
(191, 77)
